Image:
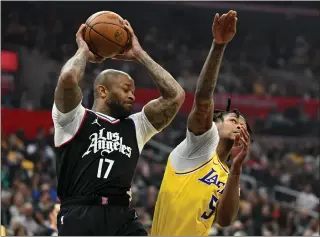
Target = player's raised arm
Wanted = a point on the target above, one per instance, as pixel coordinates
(68, 93)
(200, 118)
(160, 112)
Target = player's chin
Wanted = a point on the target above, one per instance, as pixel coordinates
(127, 108)
(232, 136)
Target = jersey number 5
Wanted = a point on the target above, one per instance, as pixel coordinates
(110, 164)
(212, 208)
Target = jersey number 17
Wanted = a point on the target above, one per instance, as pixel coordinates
(101, 164)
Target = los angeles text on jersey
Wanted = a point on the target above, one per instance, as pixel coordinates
(106, 141)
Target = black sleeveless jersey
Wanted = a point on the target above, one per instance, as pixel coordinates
(100, 160)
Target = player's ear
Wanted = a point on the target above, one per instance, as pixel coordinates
(102, 91)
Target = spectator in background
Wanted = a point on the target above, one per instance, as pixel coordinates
(26, 220)
(313, 228)
(51, 228)
(280, 63)
(307, 199)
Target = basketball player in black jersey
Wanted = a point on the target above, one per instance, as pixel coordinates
(98, 149)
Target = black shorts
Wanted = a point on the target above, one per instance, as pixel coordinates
(83, 220)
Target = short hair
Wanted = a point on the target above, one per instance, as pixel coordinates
(104, 77)
(218, 115)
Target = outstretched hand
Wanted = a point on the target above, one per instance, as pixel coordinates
(133, 48)
(224, 28)
(245, 142)
(83, 45)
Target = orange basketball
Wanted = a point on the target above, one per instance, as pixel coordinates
(105, 34)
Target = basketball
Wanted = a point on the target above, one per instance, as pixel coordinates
(105, 34)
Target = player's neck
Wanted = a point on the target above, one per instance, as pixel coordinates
(97, 107)
(224, 150)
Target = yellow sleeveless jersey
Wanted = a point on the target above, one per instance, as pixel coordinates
(186, 202)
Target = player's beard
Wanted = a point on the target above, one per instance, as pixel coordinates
(117, 110)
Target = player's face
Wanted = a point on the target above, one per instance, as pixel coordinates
(230, 127)
(121, 97)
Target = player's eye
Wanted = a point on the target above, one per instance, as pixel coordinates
(233, 121)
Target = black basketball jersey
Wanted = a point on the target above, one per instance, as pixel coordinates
(100, 159)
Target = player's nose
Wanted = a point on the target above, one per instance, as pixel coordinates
(132, 97)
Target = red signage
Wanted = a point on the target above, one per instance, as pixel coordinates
(252, 106)
(9, 61)
(249, 105)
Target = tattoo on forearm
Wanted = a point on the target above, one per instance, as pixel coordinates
(77, 63)
(166, 84)
(161, 114)
(209, 74)
(200, 118)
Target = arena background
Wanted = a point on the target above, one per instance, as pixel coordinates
(271, 70)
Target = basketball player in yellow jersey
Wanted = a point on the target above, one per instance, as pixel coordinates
(198, 186)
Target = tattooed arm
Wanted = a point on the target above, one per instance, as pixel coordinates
(68, 94)
(200, 118)
(160, 112)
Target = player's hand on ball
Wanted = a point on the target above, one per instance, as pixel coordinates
(245, 142)
(83, 45)
(133, 48)
(224, 28)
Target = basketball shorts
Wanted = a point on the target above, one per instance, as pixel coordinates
(91, 216)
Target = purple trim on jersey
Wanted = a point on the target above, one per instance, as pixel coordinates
(194, 169)
(222, 166)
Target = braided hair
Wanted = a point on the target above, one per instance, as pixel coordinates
(218, 115)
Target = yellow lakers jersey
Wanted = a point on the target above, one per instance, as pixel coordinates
(187, 200)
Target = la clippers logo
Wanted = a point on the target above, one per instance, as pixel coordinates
(106, 141)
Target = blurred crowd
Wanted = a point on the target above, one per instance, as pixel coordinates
(28, 182)
(272, 55)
